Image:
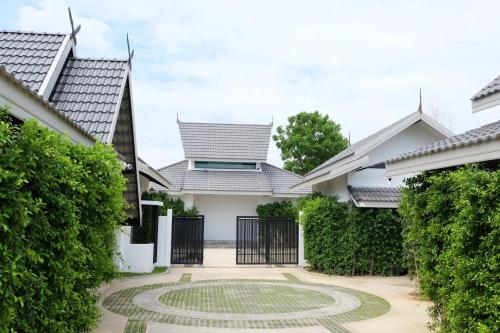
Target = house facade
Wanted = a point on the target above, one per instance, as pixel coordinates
(225, 174)
(357, 173)
(89, 100)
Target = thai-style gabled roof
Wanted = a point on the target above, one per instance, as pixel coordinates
(89, 92)
(269, 180)
(379, 197)
(226, 142)
(347, 159)
(29, 56)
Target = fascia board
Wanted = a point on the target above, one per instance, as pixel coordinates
(486, 102)
(55, 68)
(480, 152)
(225, 192)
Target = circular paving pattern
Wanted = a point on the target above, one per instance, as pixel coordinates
(247, 304)
(246, 298)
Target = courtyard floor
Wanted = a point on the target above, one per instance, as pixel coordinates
(259, 299)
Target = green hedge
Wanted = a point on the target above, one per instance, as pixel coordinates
(60, 205)
(277, 209)
(342, 239)
(452, 235)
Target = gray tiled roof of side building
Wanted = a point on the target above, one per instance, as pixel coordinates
(482, 134)
(271, 179)
(491, 88)
(88, 92)
(232, 142)
(384, 194)
(28, 56)
(358, 145)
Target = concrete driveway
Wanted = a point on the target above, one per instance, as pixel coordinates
(277, 299)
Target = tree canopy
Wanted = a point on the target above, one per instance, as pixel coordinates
(308, 140)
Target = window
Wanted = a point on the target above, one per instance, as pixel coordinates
(225, 165)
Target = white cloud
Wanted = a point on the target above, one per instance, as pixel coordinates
(247, 61)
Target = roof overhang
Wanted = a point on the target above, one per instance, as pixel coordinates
(152, 174)
(487, 102)
(333, 173)
(478, 152)
(26, 104)
(227, 192)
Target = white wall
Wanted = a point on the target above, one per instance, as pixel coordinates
(412, 138)
(337, 186)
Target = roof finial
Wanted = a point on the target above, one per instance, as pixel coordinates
(272, 119)
(349, 140)
(420, 103)
(130, 54)
(73, 30)
(178, 121)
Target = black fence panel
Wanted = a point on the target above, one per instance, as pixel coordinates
(187, 239)
(273, 240)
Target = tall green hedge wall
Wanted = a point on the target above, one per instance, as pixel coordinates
(342, 239)
(277, 209)
(60, 205)
(452, 233)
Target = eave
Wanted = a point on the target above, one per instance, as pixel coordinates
(478, 152)
(485, 102)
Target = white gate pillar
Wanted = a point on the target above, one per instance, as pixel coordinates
(301, 242)
(168, 245)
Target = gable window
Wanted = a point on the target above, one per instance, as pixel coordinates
(225, 165)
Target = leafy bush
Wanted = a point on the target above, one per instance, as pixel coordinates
(342, 239)
(60, 205)
(452, 234)
(177, 205)
(277, 209)
(144, 234)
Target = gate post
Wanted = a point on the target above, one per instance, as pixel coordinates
(169, 237)
(301, 242)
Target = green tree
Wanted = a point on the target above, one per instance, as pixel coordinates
(308, 140)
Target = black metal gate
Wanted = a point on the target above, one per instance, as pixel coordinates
(187, 239)
(273, 240)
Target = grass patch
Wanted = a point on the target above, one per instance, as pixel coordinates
(157, 270)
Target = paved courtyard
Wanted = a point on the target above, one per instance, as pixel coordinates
(278, 299)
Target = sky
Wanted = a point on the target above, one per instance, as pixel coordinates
(236, 61)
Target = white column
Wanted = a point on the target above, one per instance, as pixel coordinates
(162, 241)
(301, 242)
(168, 238)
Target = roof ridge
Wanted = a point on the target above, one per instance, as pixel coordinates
(34, 32)
(171, 165)
(221, 123)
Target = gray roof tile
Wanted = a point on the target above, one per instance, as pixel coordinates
(28, 56)
(484, 133)
(371, 194)
(270, 179)
(88, 92)
(491, 88)
(233, 142)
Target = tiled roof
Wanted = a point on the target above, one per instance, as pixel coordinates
(28, 56)
(271, 179)
(484, 133)
(374, 194)
(88, 92)
(351, 150)
(232, 142)
(491, 88)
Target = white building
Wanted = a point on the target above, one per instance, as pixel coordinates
(225, 174)
(357, 173)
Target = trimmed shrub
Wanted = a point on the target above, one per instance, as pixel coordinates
(452, 236)
(177, 205)
(60, 205)
(277, 209)
(345, 240)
